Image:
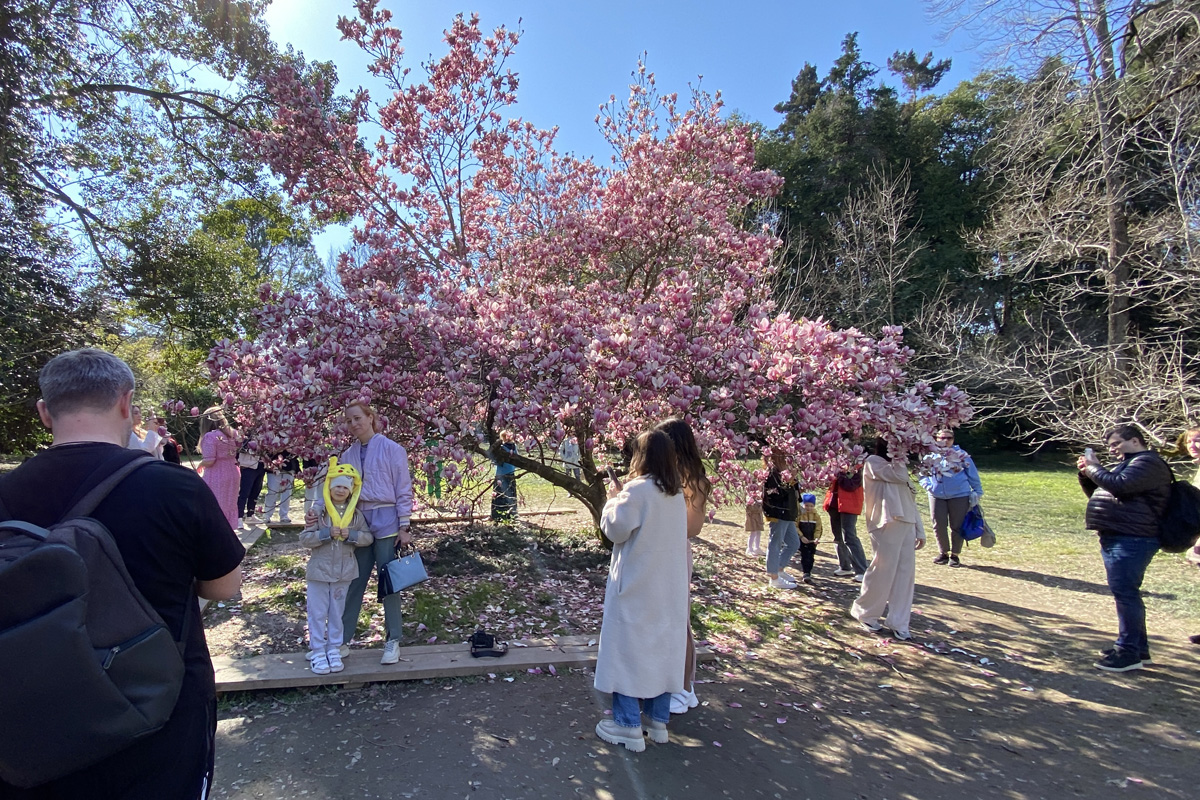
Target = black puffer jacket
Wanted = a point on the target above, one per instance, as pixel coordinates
(780, 500)
(1129, 499)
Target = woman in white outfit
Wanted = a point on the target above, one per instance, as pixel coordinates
(643, 637)
(894, 523)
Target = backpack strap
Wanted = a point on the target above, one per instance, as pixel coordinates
(96, 496)
(27, 528)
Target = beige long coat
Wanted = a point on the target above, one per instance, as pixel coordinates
(644, 633)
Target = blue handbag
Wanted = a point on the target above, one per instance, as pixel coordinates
(973, 525)
(401, 574)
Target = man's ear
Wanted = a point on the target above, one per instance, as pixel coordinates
(44, 414)
(125, 405)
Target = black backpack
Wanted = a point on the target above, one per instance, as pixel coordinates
(86, 664)
(1179, 526)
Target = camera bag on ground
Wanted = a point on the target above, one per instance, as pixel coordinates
(87, 666)
(1179, 526)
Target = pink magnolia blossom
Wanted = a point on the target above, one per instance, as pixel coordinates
(506, 286)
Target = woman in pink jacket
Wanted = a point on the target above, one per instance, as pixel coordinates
(386, 502)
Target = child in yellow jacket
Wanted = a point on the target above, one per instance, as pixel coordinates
(808, 522)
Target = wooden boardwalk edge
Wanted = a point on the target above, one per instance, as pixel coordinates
(291, 670)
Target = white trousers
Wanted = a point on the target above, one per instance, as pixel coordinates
(889, 580)
(279, 493)
(326, 604)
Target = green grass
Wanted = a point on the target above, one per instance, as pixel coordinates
(1037, 512)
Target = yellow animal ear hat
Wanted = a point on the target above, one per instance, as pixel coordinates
(337, 470)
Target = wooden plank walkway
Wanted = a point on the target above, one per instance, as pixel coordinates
(291, 670)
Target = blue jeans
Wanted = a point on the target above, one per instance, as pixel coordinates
(504, 498)
(627, 714)
(1125, 562)
(785, 541)
(849, 547)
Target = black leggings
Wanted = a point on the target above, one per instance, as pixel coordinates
(252, 483)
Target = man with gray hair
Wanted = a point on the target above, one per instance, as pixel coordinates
(176, 545)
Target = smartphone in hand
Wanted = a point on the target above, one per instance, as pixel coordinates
(612, 477)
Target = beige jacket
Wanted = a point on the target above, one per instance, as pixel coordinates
(644, 633)
(333, 561)
(889, 495)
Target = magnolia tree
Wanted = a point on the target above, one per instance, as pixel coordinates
(506, 286)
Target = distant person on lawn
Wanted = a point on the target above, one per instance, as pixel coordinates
(176, 543)
(1125, 503)
(953, 485)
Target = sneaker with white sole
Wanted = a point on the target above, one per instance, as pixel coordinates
(631, 738)
(682, 701)
(859, 577)
(1120, 661)
(782, 583)
(320, 663)
(391, 652)
(657, 731)
(335, 660)
(843, 573)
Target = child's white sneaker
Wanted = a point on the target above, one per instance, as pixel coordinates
(320, 663)
(335, 660)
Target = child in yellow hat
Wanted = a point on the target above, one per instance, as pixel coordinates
(340, 527)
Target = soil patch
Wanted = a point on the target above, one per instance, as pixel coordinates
(994, 697)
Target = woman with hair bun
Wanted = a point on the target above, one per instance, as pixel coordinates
(218, 465)
(386, 503)
(897, 532)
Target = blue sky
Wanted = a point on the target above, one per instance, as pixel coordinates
(573, 55)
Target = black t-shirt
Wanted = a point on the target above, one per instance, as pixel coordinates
(170, 531)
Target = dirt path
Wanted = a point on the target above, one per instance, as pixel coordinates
(824, 711)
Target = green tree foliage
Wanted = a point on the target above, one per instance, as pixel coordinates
(197, 286)
(40, 315)
(848, 134)
(121, 147)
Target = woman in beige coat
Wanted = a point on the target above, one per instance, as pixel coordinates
(643, 637)
(894, 523)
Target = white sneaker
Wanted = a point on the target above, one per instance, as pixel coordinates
(335, 660)
(841, 573)
(682, 701)
(391, 652)
(285, 521)
(782, 583)
(859, 577)
(320, 663)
